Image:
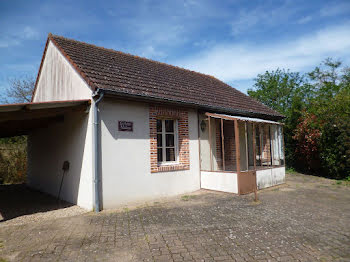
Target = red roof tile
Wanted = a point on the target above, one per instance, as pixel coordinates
(132, 75)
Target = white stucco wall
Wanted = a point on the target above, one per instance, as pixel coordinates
(58, 79)
(219, 181)
(70, 140)
(126, 175)
(270, 177)
(49, 147)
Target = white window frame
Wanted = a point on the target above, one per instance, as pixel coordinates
(176, 142)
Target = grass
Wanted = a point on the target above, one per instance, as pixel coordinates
(187, 197)
(291, 171)
(341, 183)
(2, 259)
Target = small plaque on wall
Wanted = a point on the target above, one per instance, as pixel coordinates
(126, 126)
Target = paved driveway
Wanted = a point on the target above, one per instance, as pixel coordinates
(308, 219)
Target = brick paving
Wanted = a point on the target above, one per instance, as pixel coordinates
(307, 219)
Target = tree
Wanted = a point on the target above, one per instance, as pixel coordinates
(280, 89)
(286, 92)
(326, 78)
(13, 156)
(19, 91)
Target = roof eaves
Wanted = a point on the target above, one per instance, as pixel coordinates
(192, 104)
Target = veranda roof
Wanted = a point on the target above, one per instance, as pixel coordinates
(241, 118)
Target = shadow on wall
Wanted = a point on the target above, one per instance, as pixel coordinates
(49, 147)
(19, 200)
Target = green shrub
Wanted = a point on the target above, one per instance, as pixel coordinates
(335, 149)
(13, 161)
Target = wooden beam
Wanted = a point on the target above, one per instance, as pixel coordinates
(261, 144)
(39, 113)
(199, 150)
(284, 151)
(210, 152)
(246, 145)
(238, 152)
(222, 144)
(254, 145)
(238, 156)
(232, 118)
(269, 136)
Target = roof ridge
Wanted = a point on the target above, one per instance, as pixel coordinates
(135, 56)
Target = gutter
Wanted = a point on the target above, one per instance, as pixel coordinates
(96, 141)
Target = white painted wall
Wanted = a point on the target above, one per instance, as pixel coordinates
(59, 80)
(204, 144)
(70, 140)
(270, 177)
(49, 147)
(219, 181)
(126, 175)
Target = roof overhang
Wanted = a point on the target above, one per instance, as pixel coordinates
(21, 119)
(202, 108)
(241, 118)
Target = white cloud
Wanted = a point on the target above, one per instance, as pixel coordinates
(151, 52)
(231, 62)
(29, 33)
(6, 41)
(304, 20)
(14, 39)
(250, 19)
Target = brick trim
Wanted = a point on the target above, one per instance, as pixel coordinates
(160, 112)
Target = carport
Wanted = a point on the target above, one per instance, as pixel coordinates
(57, 131)
(21, 119)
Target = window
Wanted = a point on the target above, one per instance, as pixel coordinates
(166, 140)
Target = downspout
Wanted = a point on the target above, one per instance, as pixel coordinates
(99, 93)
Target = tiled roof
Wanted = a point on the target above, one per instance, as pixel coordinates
(132, 75)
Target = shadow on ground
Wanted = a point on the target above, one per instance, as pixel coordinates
(18, 200)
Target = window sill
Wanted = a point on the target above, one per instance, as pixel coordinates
(170, 167)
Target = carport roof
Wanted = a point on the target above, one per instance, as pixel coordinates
(20, 119)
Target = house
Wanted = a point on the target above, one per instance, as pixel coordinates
(133, 129)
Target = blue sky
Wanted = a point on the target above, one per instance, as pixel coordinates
(232, 40)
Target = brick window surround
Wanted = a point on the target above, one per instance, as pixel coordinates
(181, 115)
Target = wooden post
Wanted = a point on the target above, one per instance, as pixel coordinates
(222, 145)
(246, 144)
(271, 161)
(254, 149)
(284, 151)
(199, 150)
(238, 155)
(261, 145)
(210, 152)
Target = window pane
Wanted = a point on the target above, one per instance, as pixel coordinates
(169, 140)
(159, 125)
(160, 154)
(159, 140)
(169, 125)
(170, 154)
